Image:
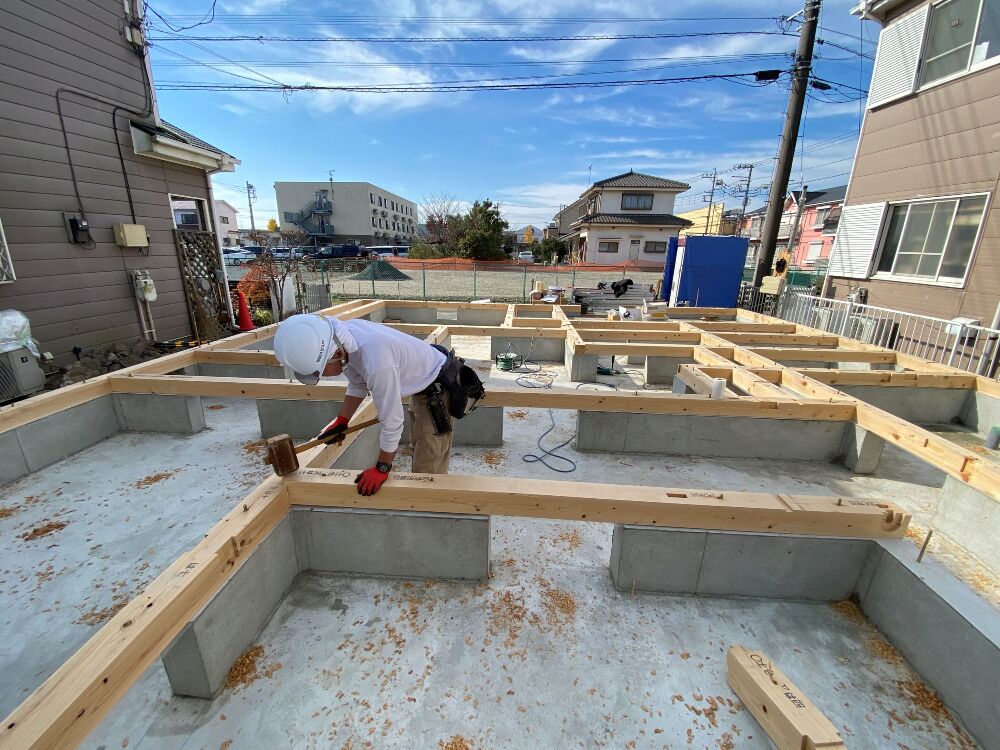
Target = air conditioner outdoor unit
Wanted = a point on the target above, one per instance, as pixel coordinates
(20, 375)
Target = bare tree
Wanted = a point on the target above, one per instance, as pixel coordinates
(269, 275)
(436, 212)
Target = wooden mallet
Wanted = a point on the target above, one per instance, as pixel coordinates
(283, 455)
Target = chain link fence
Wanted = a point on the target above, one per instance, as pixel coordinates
(457, 280)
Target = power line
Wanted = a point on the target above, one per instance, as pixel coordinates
(437, 87)
(263, 19)
(466, 39)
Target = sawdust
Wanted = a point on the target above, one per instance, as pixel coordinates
(507, 613)
(560, 606)
(850, 610)
(244, 672)
(726, 742)
(100, 616)
(154, 479)
(254, 448)
(571, 539)
(215, 407)
(49, 527)
(8, 511)
(226, 745)
(495, 458)
(518, 414)
(882, 648)
(928, 707)
(458, 742)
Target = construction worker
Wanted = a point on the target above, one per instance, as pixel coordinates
(388, 364)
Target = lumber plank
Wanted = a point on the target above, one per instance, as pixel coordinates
(235, 357)
(63, 710)
(699, 381)
(743, 327)
(978, 472)
(890, 379)
(786, 714)
(824, 355)
(623, 349)
(605, 503)
(46, 404)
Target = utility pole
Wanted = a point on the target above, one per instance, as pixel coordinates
(746, 196)
(797, 220)
(786, 150)
(714, 176)
(251, 197)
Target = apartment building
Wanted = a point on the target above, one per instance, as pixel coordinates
(346, 212)
(920, 228)
(625, 218)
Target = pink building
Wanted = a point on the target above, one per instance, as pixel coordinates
(814, 237)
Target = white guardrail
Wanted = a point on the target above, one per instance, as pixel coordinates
(968, 347)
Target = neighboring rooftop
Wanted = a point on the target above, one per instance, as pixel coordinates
(633, 179)
(667, 220)
(166, 130)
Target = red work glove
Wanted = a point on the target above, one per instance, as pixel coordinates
(337, 425)
(370, 480)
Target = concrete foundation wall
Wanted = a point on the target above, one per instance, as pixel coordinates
(147, 412)
(264, 345)
(41, 443)
(716, 563)
(393, 543)
(917, 405)
(661, 370)
(299, 419)
(540, 350)
(212, 370)
(971, 518)
(580, 368)
(198, 661)
(861, 450)
(484, 426)
(466, 317)
(948, 633)
(980, 412)
(724, 437)
(361, 453)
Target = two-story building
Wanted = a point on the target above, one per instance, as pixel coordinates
(813, 239)
(920, 227)
(225, 223)
(625, 218)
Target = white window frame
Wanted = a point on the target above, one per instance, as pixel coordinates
(970, 68)
(651, 196)
(927, 281)
(821, 213)
(645, 247)
(7, 275)
(810, 258)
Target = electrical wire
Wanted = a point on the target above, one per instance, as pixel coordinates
(375, 20)
(550, 453)
(205, 20)
(472, 39)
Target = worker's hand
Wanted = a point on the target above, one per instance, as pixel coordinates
(370, 480)
(336, 426)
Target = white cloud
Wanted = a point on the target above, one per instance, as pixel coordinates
(236, 109)
(376, 142)
(536, 204)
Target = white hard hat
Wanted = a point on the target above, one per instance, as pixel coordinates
(304, 344)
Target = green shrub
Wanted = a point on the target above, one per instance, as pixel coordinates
(423, 251)
(261, 316)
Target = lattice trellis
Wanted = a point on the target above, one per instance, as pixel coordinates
(6, 264)
(205, 293)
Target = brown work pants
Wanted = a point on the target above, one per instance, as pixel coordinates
(430, 450)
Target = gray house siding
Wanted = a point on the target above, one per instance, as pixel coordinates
(75, 296)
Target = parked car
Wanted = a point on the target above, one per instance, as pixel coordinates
(526, 256)
(238, 256)
(390, 251)
(332, 252)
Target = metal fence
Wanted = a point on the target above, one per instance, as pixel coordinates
(967, 347)
(461, 280)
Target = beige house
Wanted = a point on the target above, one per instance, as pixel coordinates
(920, 228)
(83, 153)
(625, 218)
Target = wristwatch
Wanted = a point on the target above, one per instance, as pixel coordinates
(383, 467)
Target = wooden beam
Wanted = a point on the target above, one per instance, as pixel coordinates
(535, 323)
(979, 472)
(738, 327)
(780, 339)
(70, 703)
(624, 335)
(825, 355)
(890, 378)
(237, 357)
(608, 348)
(47, 404)
(596, 324)
(705, 356)
(698, 381)
(789, 718)
(605, 503)
(757, 386)
(806, 386)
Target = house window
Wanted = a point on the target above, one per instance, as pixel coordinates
(821, 214)
(224, 219)
(656, 247)
(931, 239)
(371, 197)
(380, 200)
(814, 251)
(960, 34)
(637, 201)
(607, 247)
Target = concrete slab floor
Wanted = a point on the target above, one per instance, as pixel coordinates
(83, 536)
(546, 654)
(132, 504)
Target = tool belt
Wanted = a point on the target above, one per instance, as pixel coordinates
(464, 388)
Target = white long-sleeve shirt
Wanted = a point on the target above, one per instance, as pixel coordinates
(389, 364)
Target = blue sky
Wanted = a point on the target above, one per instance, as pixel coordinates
(529, 150)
